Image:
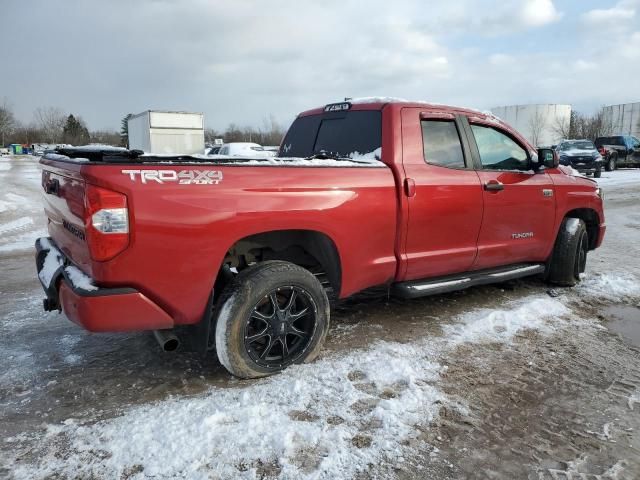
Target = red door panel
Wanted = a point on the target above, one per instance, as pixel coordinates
(445, 210)
(518, 220)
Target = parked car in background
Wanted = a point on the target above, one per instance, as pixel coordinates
(619, 151)
(581, 155)
(245, 149)
(213, 150)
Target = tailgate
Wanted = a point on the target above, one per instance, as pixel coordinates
(64, 204)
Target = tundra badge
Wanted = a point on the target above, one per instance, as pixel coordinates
(518, 236)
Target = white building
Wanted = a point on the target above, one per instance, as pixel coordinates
(156, 131)
(625, 118)
(537, 123)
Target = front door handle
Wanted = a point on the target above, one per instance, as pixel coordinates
(493, 186)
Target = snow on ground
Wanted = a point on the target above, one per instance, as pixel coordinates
(625, 177)
(609, 286)
(324, 410)
(503, 325)
(21, 214)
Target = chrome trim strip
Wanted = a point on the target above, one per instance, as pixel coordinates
(430, 286)
(517, 270)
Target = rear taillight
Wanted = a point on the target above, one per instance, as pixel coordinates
(106, 222)
(602, 151)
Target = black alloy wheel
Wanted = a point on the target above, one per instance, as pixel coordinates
(280, 327)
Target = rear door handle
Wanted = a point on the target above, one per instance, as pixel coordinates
(493, 186)
(409, 187)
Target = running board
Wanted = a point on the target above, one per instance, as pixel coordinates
(451, 283)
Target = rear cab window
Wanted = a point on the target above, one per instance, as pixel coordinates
(347, 134)
(617, 140)
(441, 144)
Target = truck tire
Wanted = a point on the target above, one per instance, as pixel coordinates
(569, 256)
(611, 163)
(598, 172)
(270, 316)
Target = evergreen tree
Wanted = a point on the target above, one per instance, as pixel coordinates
(75, 132)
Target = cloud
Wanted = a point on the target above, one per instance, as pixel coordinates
(623, 11)
(537, 13)
(241, 61)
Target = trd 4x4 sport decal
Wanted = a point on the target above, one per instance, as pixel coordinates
(183, 177)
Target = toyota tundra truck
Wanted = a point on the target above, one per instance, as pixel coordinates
(245, 255)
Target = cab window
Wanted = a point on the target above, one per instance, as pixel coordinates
(441, 144)
(499, 151)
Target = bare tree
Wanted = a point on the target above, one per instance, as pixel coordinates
(563, 127)
(600, 125)
(105, 137)
(211, 134)
(537, 124)
(585, 126)
(51, 121)
(273, 132)
(7, 121)
(27, 133)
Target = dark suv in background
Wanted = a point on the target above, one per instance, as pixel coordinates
(619, 151)
(581, 155)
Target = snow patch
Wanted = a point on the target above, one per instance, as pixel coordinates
(17, 224)
(610, 286)
(503, 325)
(569, 170)
(52, 262)
(362, 161)
(79, 279)
(375, 155)
(309, 413)
(328, 419)
(23, 241)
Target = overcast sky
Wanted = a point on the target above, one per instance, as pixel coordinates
(239, 61)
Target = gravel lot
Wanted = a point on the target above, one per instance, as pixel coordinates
(507, 381)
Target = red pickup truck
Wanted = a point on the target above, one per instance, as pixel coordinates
(422, 198)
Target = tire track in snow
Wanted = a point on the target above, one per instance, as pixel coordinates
(16, 225)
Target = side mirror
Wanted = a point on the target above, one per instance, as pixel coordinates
(548, 158)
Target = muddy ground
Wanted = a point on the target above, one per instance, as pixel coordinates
(560, 405)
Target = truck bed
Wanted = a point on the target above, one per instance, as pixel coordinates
(186, 212)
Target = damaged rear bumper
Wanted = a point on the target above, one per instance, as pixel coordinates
(94, 308)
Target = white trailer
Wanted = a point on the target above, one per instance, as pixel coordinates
(538, 123)
(624, 119)
(156, 131)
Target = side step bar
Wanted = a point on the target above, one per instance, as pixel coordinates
(451, 283)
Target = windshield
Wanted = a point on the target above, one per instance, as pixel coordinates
(577, 146)
(343, 134)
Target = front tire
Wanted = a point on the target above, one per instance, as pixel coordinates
(272, 315)
(569, 257)
(611, 164)
(597, 173)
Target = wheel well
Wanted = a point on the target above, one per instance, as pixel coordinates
(590, 218)
(309, 249)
